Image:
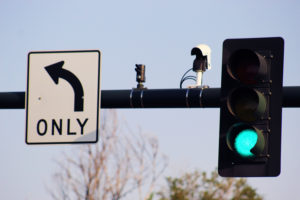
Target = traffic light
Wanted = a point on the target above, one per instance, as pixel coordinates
(251, 104)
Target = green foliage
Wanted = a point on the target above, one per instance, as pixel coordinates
(199, 186)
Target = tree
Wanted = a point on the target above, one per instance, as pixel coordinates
(122, 163)
(198, 186)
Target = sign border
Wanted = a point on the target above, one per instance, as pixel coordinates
(98, 96)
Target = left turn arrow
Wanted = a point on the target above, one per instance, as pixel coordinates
(56, 71)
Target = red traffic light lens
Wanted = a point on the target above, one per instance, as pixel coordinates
(246, 66)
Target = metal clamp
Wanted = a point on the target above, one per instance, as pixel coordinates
(187, 103)
(141, 98)
(130, 98)
(187, 98)
(200, 97)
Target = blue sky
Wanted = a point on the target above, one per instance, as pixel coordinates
(159, 34)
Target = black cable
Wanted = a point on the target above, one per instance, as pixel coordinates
(186, 73)
(187, 78)
(184, 78)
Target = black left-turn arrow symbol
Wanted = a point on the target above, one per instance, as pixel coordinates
(56, 71)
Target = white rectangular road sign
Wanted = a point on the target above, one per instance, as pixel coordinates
(63, 97)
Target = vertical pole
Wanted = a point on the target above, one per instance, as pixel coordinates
(199, 78)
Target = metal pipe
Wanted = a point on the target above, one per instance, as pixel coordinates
(156, 98)
(12, 100)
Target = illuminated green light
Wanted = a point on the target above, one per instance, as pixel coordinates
(244, 142)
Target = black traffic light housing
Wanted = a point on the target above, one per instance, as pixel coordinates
(251, 104)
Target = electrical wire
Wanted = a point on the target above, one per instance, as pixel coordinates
(184, 78)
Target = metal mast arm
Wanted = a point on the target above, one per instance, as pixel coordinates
(156, 98)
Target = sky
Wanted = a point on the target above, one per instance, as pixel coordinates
(159, 34)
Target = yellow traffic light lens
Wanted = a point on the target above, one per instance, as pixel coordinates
(247, 104)
(246, 66)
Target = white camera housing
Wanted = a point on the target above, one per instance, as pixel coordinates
(203, 50)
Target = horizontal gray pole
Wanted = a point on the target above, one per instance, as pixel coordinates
(155, 98)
